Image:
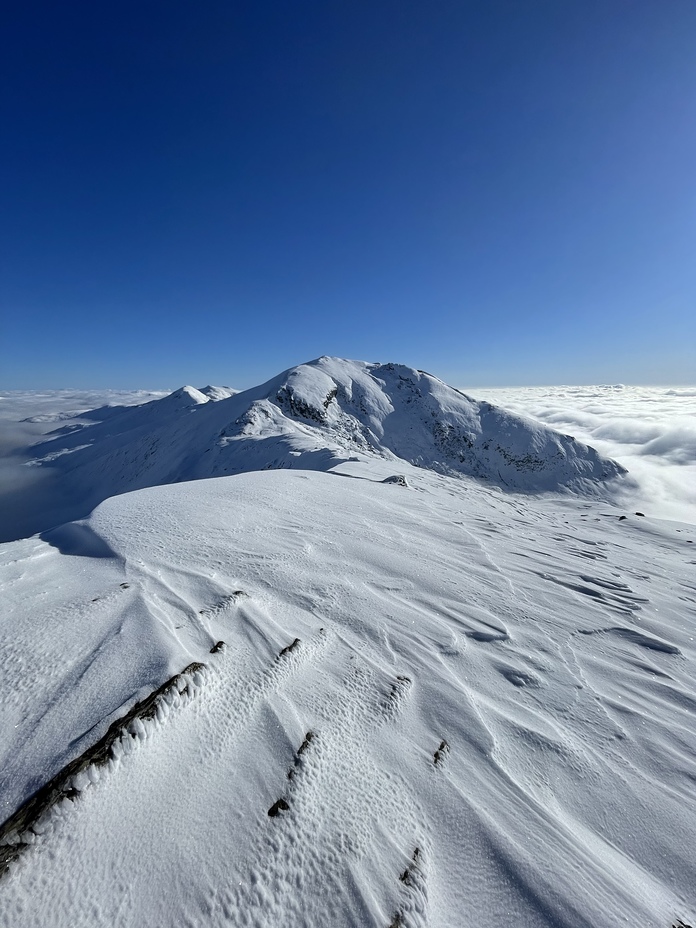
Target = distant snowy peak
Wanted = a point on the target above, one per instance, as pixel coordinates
(218, 393)
(185, 396)
(396, 410)
(313, 417)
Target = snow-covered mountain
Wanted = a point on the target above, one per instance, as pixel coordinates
(377, 679)
(218, 393)
(312, 417)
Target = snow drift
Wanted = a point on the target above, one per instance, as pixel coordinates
(439, 705)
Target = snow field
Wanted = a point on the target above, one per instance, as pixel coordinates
(549, 644)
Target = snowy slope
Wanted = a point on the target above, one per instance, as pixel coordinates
(312, 417)
(500, 691)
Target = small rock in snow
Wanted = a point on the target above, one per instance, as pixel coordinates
(278, 807)
(397, 479)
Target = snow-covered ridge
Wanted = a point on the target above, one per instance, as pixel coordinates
(312, 417)
(438, 706)
(426, 702)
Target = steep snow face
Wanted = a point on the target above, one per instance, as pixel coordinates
(313, 417)
(460, 707)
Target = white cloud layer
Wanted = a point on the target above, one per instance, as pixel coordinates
(25, 416)
(650, 430)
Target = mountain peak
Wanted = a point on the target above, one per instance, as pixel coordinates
(400, 411)
(186, 396)
(314, 416)
(218, 393)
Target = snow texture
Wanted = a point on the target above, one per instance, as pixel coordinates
(499, 690)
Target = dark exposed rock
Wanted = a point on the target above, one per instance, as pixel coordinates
(399, 687)
(290, 647)
(406, 875)
(397, 479)
(279, 806)
(441, 753)
(61, 787)
(288, 399)
(300, 751)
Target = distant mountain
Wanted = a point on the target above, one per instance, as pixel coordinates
(218, 393)
(312, 417)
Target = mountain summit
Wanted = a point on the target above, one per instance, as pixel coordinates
(313, 417)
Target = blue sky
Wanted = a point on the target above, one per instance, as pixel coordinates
(500, 192)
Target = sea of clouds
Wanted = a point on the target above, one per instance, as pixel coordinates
(650, 430)
(25, 417)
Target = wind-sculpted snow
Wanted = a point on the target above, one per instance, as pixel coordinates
(313, 417)
(427, 704)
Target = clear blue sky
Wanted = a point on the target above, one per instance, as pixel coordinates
(498, 191)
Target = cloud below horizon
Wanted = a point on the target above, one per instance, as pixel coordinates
(25, 417)
(650, 430)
